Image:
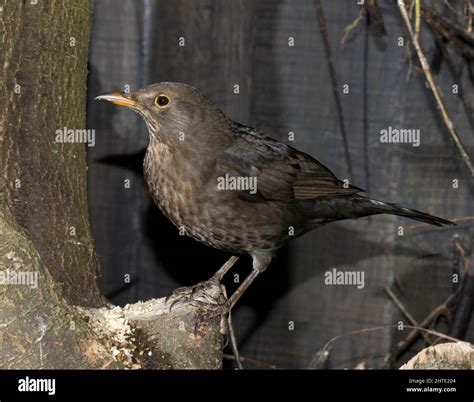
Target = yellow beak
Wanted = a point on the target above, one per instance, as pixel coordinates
(118, 98)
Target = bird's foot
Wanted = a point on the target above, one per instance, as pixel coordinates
(208, 297)
(206, 292)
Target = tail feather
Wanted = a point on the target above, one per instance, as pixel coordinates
(379, 207)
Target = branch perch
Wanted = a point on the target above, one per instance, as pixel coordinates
(146, 335)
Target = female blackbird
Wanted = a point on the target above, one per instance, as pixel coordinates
(234, 188)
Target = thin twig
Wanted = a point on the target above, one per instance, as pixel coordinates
(462, 253)
(453, 27)
(469, 11)
(228, 322)
(365, 108)
(406, 313)
(411, 7)
(410, 59)
(456, 73)
(452, 9)
(233, 342)
(332, 73)
(218, 276)
(410, 338)
(437, 94)
(458, 253)
(328, 344)
(353, 25)
(417, 20)
(433, 332)
(246, 359)
(462, 307)
(447, 32)
(431, 318)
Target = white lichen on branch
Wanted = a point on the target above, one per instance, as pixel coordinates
(126, 332)
(114, 331)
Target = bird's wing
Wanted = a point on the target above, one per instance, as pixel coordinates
(283, 173)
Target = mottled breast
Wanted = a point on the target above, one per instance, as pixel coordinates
(170, 182)
(185, 189)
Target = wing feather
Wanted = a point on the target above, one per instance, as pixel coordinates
(283, 173)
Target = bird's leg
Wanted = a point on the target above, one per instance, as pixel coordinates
(260, 262)
(184, 295)
(224, 269)
(210, 306)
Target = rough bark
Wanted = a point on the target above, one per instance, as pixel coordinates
(61, 320)
(38, 328)
(147, 335)
(43, 89)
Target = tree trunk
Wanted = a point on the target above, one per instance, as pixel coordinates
(44, 82)
(44, 224)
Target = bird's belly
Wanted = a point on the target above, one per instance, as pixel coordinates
(215, 218)
(215, 224)
(226, 229)
(215, 221)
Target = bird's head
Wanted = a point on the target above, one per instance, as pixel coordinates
(170, 109)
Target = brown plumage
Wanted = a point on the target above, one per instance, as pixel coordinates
(193, 146)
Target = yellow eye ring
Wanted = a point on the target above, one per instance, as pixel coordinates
(162, 100)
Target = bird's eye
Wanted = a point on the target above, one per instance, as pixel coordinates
(161, 100)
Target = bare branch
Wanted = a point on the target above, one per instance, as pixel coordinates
(436, 92)
(353, 25)
(405, 312)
